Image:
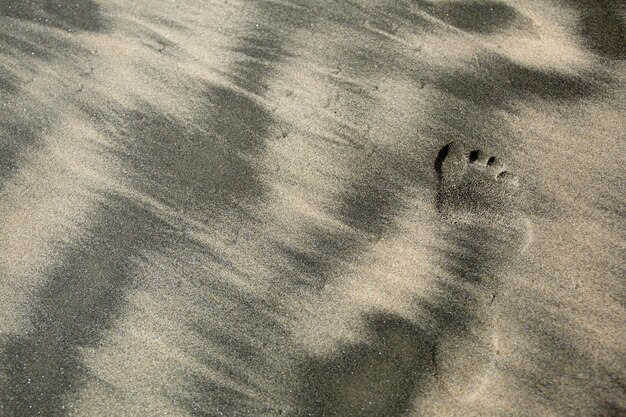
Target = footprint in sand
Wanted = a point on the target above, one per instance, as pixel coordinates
(482, 203)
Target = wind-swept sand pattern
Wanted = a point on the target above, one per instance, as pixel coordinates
(307, 208)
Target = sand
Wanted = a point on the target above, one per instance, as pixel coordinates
(243, 208)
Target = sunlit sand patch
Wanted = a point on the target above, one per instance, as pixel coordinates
(48, 204)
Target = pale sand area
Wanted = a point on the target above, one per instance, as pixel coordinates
(230, 208)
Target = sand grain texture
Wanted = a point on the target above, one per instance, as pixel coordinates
(290, 208)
